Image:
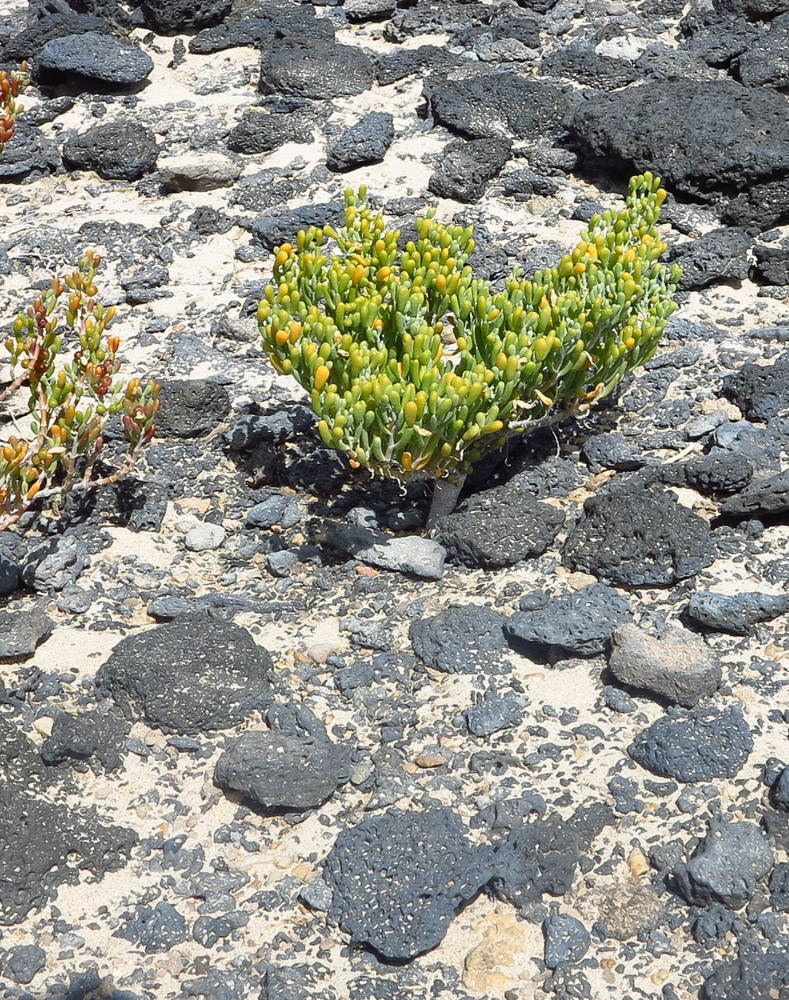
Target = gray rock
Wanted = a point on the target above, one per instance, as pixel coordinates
(23, 963)
(218, 677)
(579, 623)
(753, 975)
(21, 630)
(764, 61)
(267, 24)
(76, 600)
(369, 10)
(154, 929)
(167, 608)
(86, 736)
(44, 844)
(398, 879)
(276, 509)
(566, 940)
(494, 711)
(365, 142)
(718, 472)
(121, 150)
(27, 43)
(499, 527)
(271, 232)
(283, 772)
(315, 68)
(317, 895)
(464, 640)
(172, 17)
(54, 564)
(760, 391)
(28, 154)
(197, 171)
(612, 450)
(676, 665)
(736, 613)
(727, 866)
(405, 554)
(721, 255)
(96, 57)
(542, 856)
(205, 537)
(694, 746)
(10, 575)
(765, 495)
(191, 407)
(262, 129)
(781, 790)
(637, 536)
(281, 563)
(653, 126)
(466, 167)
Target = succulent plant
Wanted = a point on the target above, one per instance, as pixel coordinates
(417, 369)
(68, 404)
(10, 86)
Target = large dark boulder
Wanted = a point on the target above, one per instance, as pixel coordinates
(118, 151)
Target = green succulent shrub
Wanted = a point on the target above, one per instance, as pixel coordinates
(57, 443)
(417, 369)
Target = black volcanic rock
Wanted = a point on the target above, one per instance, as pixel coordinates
(119, 150)
(314, 68)
(94, 57)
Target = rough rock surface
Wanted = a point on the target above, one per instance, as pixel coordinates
(636, 537)
(676, 665)
(760, 391)
(700, 745)
(96, 57)
(463, 640)
(736, 613)
(118, 151)
(498, 527)
(316, 69)
(727, 866)
(398, 879)
(578, 623)
(282, 771)
(218, 677)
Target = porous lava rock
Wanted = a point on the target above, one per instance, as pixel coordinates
(85, 736)
(743, 146)
(118, 151)
(283, 771)
(462, 640)
(315, 68)
(44, 844)
(363, 143)
(272, 22)
(273, 231)
(578, 624)
(27, 43)
(94, 57)
(636, 536)
(172, 17)
(765, 495)
(754, 974)
(28, 155)
(727, 866)
(265, 127)
(398, 879)
(500, 104)
(191, 407)
(499, 527)
(699, 745)
(466, 167)
(760, 391)
(712, 258)
(193, 674)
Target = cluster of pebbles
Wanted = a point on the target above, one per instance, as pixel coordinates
(261, 738)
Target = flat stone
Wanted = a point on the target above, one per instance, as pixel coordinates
(191, 407)
(281, 771)
(198, 171)
(155, 929)
(122, 150)
(637, 536)
(315, 68)
(736, 613)
(463, 640)
(44, 844)
(498, 527)
(727, 867)
(699, 745)
(405, 554)
(23, 963)
(271, 23)
(95, 57)
(27, 43)
(495, 711)
(218, 677)
(579, 623)
(676, 665)
(21, 630)
(398, 879)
